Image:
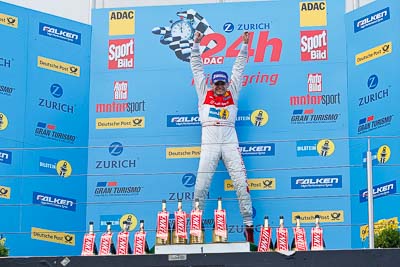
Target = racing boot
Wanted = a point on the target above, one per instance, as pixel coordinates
(249, 233)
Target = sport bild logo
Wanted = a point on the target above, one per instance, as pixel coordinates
(372, 19)
(369, 123)
(115, 149)
(121, 90)
(3, 121)
(48, 131)
(372, 83)
(6, 90)
(5, 192)
(56, 91)
(5, 157)
(380, 190)
(58, 66)
(121, 54)
(54, 201)
(59, 33)
(111, 189)
(310, 148)
(317, 182)
(314, 45)
(307, 116)
(8, 20)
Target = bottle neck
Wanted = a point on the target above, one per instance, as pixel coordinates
(219, 204)
(91, 229)
(164, 206)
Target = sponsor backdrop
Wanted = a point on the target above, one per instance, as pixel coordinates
(373, 48)
(144, 124)
(44, 81)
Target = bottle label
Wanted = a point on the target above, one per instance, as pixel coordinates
(317, 242)
(282, 239)
(196, 217)
(88, 244)
(265, 239)
(300, 238)
(139, 243)
(123, 243)
(162, 225)
(220, 223)
(180, 224)
(105, 243)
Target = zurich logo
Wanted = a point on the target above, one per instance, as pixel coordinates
(56, 90)
(372, 81)
(228, 27)
(189, 179)
(115, 149)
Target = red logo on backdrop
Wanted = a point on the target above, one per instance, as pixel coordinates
(120, 90)
(314, 45)
(314, 82)
(121, 54)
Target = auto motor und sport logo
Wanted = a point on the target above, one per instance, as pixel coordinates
(46, 130)
(56, 91)
(371, 19)
(378, 95)
(121, 90)
(314, 45)
(121, 54)
(54, 201)
(59, 33)
(115, 149)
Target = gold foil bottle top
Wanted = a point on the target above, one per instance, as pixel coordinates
(297, 221)
(164, 205)
(141, 227)
(179, 204)
(196, 204)
(219, 203)
(91, 228)
(266, 223)
(108, 227)
(317, 220)
(281, 221)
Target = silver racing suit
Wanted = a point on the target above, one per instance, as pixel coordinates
(219, 139)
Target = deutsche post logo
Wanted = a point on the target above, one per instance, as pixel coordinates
(53, 236)
(121, 22)
(5, 192)
(8, 20)
(58, 66)
(374, 53)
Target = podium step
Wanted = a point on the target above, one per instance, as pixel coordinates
(203, 248)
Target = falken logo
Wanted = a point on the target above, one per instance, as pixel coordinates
(370, 123)
(54, 201)
(378, 191)
(317, 182)
(183, 120)
(5, 157)
(59, 33)
(257, 149)
(372, 19)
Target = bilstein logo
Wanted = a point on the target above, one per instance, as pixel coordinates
(115, 150)
(370, 123)
(306, 116)
(121, 22)
(259, 117)
(182, 152)
(328, 216)
(372, 83)
(8, 20)
(59, 33)
(5, 192)
(380, 190)
(307, 148)
(317, 182)
(56, 91)
(48, 165)
(48, 131)
(53, 236)
(3, 121)
(312, 13)
(5, 157)
(54, 201)
(6, 90)
(253, 184)
(112, 189)
(58, 66)
(130, 219)
(379, 155)
(64, 168)
(314, 45)
(372, 19)
(119, 123)
(113, 219)
(189, 180)
(373, 53)
(121, 54)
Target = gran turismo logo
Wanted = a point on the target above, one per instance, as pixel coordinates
(115, 149)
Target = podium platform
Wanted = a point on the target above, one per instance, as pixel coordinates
(233, 247)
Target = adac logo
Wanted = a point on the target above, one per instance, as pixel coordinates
(378, 191)
(121, 22)
(189, 180)
(130, 220)
(317, 182)
(314, 45)
(56, 91)
(120, 123)
(370, 123)
(115, 150)
(307, 116)
(48, 131)
(372, 83)
(310, 148)
(54, 201)
(8, 20)
(112, 189)
(6, 90)
(371, 19)
(3, 121)
(373, 53)
(59, 33)
(379, 155)
(53, 236)
(5, 157)
(5, 192)
(58, 66)
(121, 54)
(64, 168)
(253, 184)
(259, 117)
(312, 13)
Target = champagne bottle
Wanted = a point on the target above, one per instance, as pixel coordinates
(317, 241)
(220, 233)
(180, 222)
(162, 222)
(196, 221)
(127, 225)
(91, 231)
(299, 242)
(266, 234)
(281, 243)
(112, 246)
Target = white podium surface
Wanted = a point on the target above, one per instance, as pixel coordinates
(203, 248)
